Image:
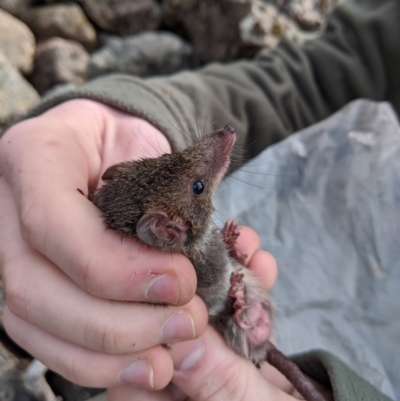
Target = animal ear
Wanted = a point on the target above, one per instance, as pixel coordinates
(112, 172)
(159, 230)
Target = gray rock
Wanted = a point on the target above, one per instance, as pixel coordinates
(59, 61)
(123, 17)
(10, 381)
(145, 54)
(211, 26)
(21, 380)
(309, 14)
(67, 21)
(18, 47)
(265, 25)
(34, 381)
(17, 96)
(104, 38)
(15, 7)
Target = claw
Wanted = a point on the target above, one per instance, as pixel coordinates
(230, 234)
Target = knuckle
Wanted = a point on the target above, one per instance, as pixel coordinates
(109, 338)
(91, 273)
(73, 368)
(90, 277)
(15, 295)
(87, 277)
(28, 217)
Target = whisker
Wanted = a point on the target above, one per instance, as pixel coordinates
(248, 183)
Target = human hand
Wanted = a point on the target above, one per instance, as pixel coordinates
(207, 369)
(67, 278)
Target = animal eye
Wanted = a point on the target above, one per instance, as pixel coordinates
(197, 188)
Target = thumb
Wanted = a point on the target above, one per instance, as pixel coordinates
(206, 369)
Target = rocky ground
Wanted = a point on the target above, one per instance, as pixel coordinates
(47, 45)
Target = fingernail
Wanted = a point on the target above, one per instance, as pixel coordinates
(163, 289)
(139, 373)
(178, 327)
(187, 354)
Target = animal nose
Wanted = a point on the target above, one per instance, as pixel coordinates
(230, 129)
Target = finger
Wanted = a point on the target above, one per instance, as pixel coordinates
(264, 266)
(206, 369)
(43, 295)
(51, 169)
(102, 263)
(129, 393)
(151, 369)
(248, 241)
(262, 263)
(37, 291)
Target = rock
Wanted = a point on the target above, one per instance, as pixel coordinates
(264, 26)
(13, 363)
(17, 96)
(10, 382)
(145, 54)
(59, 61)
(309, 14)
(211, 26)
(34, 381)
(19, 379)
(123, 17)
(104, 38)
(18, 47)
(15, 7)
(62, 20)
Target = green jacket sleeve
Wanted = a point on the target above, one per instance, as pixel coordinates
(278, 93)
(346, 385)
(270, 97)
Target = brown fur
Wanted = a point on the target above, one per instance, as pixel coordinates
(152, 200)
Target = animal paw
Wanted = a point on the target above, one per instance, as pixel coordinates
(252, 307)
(247, 323)
(230, 234)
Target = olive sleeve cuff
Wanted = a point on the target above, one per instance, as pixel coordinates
(346, 385)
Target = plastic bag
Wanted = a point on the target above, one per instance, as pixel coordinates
(326, 204)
